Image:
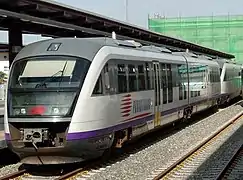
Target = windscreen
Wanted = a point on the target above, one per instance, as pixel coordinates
(45, 86)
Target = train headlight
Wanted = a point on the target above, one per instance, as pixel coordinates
(59, 110)
(23, 111)
(56, 110)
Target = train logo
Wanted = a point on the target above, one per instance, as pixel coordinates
(126, 105)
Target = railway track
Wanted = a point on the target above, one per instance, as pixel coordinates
(234, 168)
(97, 165)
(83, 172)
(14, 175)
(185, 166)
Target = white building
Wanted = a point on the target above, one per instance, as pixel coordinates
(4, 67)
(4, 62)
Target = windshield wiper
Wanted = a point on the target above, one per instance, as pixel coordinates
(63, 69)
(43, 83)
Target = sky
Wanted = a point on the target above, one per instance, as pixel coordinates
(138, 12)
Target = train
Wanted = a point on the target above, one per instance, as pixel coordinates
(69, 100)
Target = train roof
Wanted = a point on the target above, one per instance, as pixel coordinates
(85, 47)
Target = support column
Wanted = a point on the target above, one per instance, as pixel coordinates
(15, 40)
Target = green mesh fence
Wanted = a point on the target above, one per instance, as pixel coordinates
(224, 33)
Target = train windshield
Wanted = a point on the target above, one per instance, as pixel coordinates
(45, 85)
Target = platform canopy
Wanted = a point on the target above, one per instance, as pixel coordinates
(53, 19)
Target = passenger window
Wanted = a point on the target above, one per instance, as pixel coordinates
(132, 79)
(98, 87)
(148, 76)
(122, 79)
(164, 82)
(170, 87)
(141, 78)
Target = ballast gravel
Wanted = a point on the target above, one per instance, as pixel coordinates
(9, 169)
(162, 154)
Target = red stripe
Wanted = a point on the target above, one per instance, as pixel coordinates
(129, 99)
(138, 116)
(129, 95)
(126, 107)
(125, 115)
(126, 103)
(126, 111)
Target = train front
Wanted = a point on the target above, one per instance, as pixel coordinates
(41, 98)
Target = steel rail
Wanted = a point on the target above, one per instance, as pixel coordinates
(13, 175)
(187, 155)
(229, 163)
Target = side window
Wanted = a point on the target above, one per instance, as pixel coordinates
(141, 78)
(148, 76)
(132, 79)
(170, 85)
(180, 82)
(122, 79)
(174, 75)
(164, 82)
(98, 87)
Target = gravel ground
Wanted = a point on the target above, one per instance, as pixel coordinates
(159, 155)
(9, 169)
(212, 159)
(163, 153)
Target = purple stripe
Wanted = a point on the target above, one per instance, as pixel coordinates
(7, 137)
(88, 134)
(99, 132)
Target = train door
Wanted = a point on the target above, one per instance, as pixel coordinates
(157, 93)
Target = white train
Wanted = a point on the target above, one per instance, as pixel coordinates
(72, 99)
(231, 80)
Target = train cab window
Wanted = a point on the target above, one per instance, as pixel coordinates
(98, 87)
(122, 79)
(132, 78)
(141, 78)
